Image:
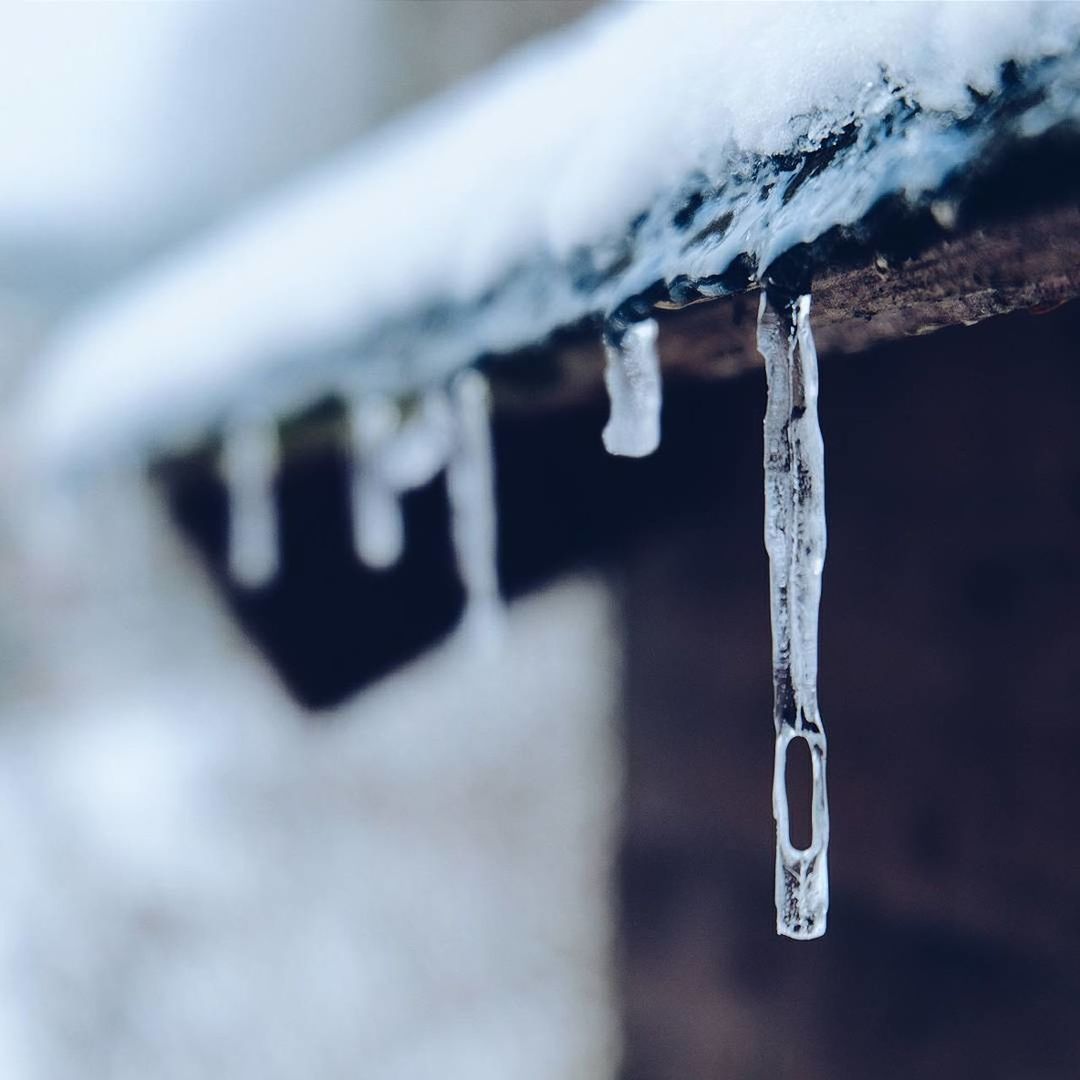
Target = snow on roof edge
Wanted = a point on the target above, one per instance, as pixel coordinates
(637, 147)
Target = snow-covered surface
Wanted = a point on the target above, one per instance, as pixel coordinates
(249, 464)
(126, 124)
(554, 187)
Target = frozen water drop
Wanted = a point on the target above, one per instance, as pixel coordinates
(249, 462)
(632, 376)
(470, 485)
(795, 541)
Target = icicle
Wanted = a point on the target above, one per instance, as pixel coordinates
(632, 375)
(377, 523)
(249, 463)
(471, 490)
(795, 541)
(421, 447)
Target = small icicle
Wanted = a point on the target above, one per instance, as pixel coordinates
(795, 541)
(470, 485)
(632, 375)
(421, 446)
(377, 524)
(249, 463)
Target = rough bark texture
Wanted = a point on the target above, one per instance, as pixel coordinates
(1025, 263)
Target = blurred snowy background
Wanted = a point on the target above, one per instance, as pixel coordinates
(551, 863)
(198, 880)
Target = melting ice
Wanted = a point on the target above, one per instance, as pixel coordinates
(795, 541)
(632, 375)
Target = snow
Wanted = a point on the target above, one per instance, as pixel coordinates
(107, 62)
(461, 229)
(795, 541)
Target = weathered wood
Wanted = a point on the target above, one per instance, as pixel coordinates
(1030, 262)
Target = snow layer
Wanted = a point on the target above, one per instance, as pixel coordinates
(560, 185)
(125, 125)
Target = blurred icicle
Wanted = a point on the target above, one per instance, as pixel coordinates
(795, 541)
(632, 376)
(470, 486)
(393, 453)
(421, 446)
(377, 525)
(249, 462)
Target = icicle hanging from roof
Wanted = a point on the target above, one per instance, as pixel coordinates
(249, 462)
(632, 377)
(795, 541)
(470, 486)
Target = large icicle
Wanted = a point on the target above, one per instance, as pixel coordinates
(377, 524)
(795, 541)
(632, 375)
(470, 486)
(249, 461)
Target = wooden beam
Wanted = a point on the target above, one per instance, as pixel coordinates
(1027, 263)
